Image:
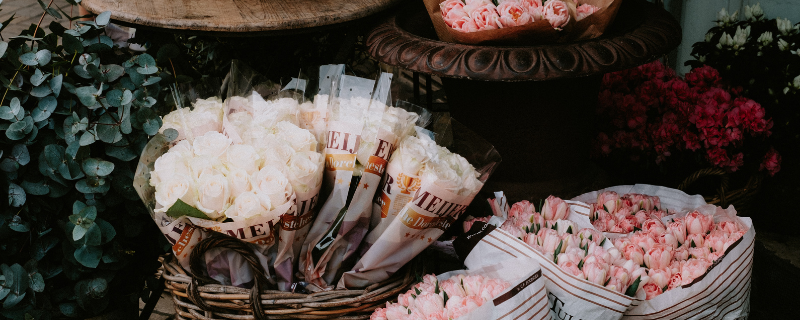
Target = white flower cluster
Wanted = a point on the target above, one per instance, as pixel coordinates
(210, 172)
(432, 162)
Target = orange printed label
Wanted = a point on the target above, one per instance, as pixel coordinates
(335, 162)
(414, 220)
(375, 165)
(407, 184)
(184, 239)
(385, 202)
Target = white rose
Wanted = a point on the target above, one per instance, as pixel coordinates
(183, 147)
(176, 120)
(210, 104)
(203, 121)
(299, 139)
(238, 104)
(168, 165)
(243, 156)
(169, 191)
(471, 183)
(412, 154)
(246, 205)
(213, 194)
(321, 102)
(241, 121)
(443, 176)
(276, 151)
(211, 144)
(352, 110)
(205, 165)
(305, 170)
(256, 136)
(239, 181)
(271, 187)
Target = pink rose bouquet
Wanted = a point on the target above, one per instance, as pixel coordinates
(442, 300)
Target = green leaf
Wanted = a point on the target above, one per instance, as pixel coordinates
(181, 209)
(16, 195)
(89, 213)
(69, 309)
(106, 229)
(42, 245)
(114, 98)
(7, 113)
(16, 278)
(77, 207)
(558, 250)
(3, 48)
(122, 153)
(16, 131)
(20, 154)
(57, 28)
(37, 282)
(41, 91)
(70, 169)
(55, 84)
(631, 292)
(45, 108)
(88, 256)
(168, 51)
(97, 187)
(172, 134)
(72, 45)
(151, 126)
(78, 232)
(12, 300)
(111, 72)
(108, 129)
(93, 235)
(151, 81)
(87, 95)
(103, 18)
(29, 59)
(4, 292)
(87, 138)
(19, 225)
(35, 188)
(97, 167)
(151, 69)
(43, 57)
(38, 77)
(145, 60)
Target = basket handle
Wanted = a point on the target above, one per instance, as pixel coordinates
(199, 277)
(705, 173)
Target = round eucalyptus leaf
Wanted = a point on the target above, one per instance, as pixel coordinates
(111, 72)
(84, 186)
(55, 84)
(97, 167)
(16, 131)
(151, 80)
(87, 95)
(38, 77)
(171, 134)
(87, 138)
(29, 59)
(35, 188)
(151, 126)
(37, 282)
(43, 57)
(114, 98)
(71, 44)
(88, 256)
(41, 91)
(103, 18)
(16, 195)
(20, 154)
(106, 229)
(3, 48)
(45, 108)
(108, 129)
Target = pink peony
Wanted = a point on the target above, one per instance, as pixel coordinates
(699, 252)
(395, 311)
(585, 10)
(678, 230)
(643, 240)
(556, 12)
(513, 14)
(652, 290)
(615, 285)
(620, 273)
(406, 299)
(519, 208)
(485, 16)
(728, 227)
(733, 238)
(464, 24)
(681, 253)
(716, 241)
(633, 252)
(452, 11)
(692, 269)
(460, 306)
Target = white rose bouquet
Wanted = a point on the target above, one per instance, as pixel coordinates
(362, 134)
(238, 168)
(431, 187)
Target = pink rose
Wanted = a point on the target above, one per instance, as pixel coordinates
(692, 269)
(472, 285)
(594, 272)
(493, 288)
(675, 281)
(652, 290)
(733, 238)
(620, 273)
(608, 200)
(485, 17)
(555, 209)
(615, 285)
(518, 208)
(699, 253)
(396, 311)
(533, 7)
(654, 227)
(464, 24)
(695, 240)
(460, 306)
(406, 299)
(633, 252)
(628, 224)
(728, 226)
(549, 240)
(452, 288)
(658, 257)
(590, 235)
(678, 230)
(569, 267)
(428, 303)
(660, 277)
(378, 314)
(513, 14)
(716, 241)
(681, 253)
(557, 13)
(698, 223)
(584, 11)
(643, 240)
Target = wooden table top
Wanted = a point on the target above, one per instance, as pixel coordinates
(237, 16)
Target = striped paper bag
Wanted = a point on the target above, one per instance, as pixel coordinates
(526, 299)
(567, 297)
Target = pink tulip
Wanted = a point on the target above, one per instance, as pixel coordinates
(698, 223)
(658, 257)
(594, 273)
(678, 229)
(609, 200)
(652, 290)
(692, 269)
(660, 277)
(675, 281)
(570, 267)
(555, 209)
(549, 240)
(615, 284)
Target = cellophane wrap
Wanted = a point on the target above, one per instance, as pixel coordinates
(448, 182)
(266, 159)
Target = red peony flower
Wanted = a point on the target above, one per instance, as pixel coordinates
(772, 162)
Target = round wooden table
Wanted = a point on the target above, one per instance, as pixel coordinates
(237, 17)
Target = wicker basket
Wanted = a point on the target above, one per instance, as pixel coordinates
(200, 297)
(739, 198)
